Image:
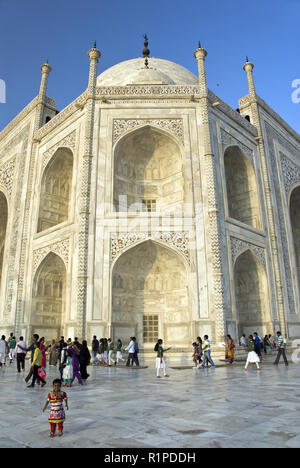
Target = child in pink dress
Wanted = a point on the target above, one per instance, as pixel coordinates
(57, 413)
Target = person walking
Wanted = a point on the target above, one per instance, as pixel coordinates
(230, 350)
(160, 359)
(200, 346)
(84, 360)
(53, 358)
(36, 365)
(75, 363)
(12, 346)
(196, 354)
(136, 352)
(111, 350)
(20, 346)
(119, 353)
(131, 350)
(281, 350)
(207, 353)
(253, 357)
(258, 345)
(31, 348)
(95, 349)
(67, 368)
(4, 350)
(63, 347)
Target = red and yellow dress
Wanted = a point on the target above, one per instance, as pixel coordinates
(57, 412)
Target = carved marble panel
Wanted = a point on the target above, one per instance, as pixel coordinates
(290, 172)
(7, 172)
(60, 248)
(173, 126)
(229, 140)
(177, 240)
(69, 142)
(238, 246)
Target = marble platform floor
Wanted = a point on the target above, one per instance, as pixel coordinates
(129, 408)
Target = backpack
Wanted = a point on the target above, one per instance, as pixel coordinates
(136, 347)
(156, 347)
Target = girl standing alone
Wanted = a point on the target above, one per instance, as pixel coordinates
(57, 413)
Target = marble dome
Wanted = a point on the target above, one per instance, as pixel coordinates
(133, 72)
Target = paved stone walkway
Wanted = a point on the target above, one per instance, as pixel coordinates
(224, 407)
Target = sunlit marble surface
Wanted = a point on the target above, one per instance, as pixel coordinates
(131, 408)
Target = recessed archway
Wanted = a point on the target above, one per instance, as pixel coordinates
(295, 222)
(150, 295)
(148, 172)
(242, 193)
(3, 228)
(251, 295)
(56, 190)
(48, 297)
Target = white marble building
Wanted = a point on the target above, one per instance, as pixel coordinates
(149, 207)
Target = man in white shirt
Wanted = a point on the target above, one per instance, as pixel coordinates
(281, 350)
(131, 350)
(244, 341)
(21, 354)
(3, 351)
(207, 357)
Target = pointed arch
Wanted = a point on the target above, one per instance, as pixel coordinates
(49, 296)
(56, 188)
(150, 294)
(3, 229)
(295, 225)
(251, 295)
(148, 171)
(242, 190)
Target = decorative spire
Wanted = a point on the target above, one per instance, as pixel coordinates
(95, 45)
(247, 59)
(199, 45)
(146, 51)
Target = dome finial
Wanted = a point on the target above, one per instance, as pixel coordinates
(199, 45)
(146, 51)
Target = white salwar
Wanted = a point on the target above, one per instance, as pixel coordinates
(252, 359)
(161, 364)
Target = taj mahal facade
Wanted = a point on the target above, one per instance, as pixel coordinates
(149, 207)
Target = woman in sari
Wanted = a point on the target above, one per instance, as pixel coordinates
(230, 350)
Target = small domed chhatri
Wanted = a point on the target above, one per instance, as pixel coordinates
(147, 208)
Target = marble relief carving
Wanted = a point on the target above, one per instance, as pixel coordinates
(238, 246)
(176, 240)
(60, 248)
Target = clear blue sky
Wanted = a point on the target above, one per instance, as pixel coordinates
(64, 30)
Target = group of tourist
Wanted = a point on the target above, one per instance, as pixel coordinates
(105, 352)
(255, 346)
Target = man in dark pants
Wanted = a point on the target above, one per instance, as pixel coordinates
(36, 365)
(21, 354)
(35, 339)
(281, 350)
